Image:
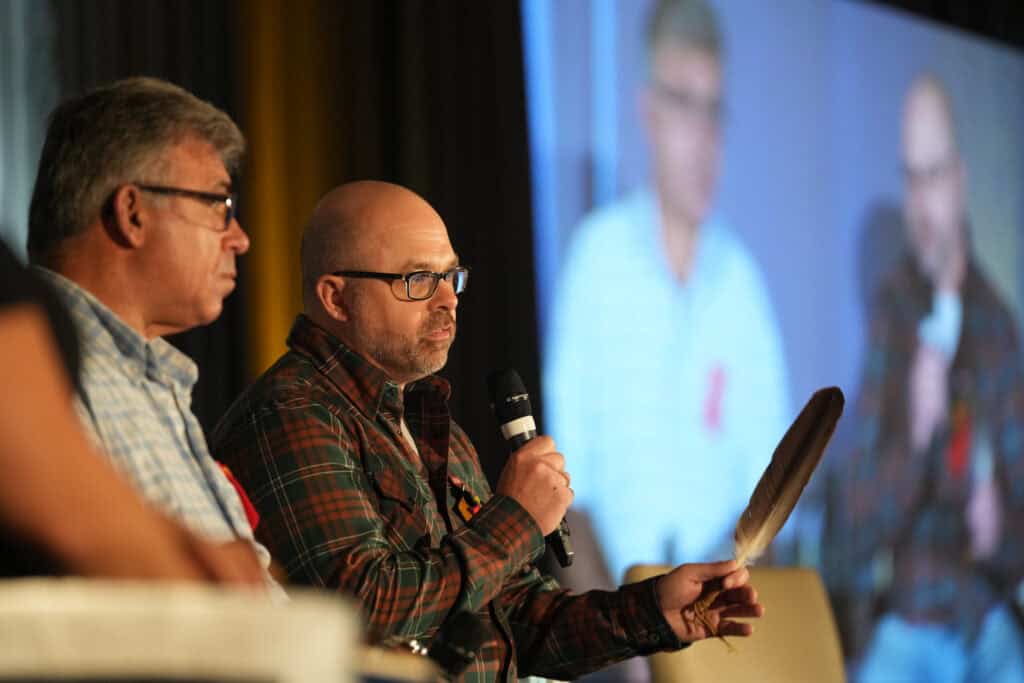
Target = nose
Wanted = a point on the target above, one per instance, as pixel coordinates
(236, 238)
(445, 296)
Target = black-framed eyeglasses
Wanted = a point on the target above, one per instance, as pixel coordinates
(419, 284)
(229, 201)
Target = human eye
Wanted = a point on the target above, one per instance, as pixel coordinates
(421, 283)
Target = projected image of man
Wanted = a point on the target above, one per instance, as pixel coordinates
(932, 507)
(665, 379)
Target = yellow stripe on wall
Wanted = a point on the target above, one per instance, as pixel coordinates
(284, 80)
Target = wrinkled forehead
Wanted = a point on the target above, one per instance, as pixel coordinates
(193, 162)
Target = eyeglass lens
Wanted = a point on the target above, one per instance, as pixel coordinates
(423, 284)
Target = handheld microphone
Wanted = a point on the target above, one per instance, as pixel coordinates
(511, 405)
(457, 642)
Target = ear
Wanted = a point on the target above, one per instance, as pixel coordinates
(125, 218)
(328, 293)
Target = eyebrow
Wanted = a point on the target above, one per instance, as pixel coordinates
(423, 265)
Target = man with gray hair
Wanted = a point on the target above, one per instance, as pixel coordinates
(663, 344)
(132, 220)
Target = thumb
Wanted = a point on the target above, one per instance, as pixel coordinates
(704, 571)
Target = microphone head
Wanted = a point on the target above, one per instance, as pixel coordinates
(509, 399)
(457, 642)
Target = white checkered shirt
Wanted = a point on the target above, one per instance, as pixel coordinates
(136, 399)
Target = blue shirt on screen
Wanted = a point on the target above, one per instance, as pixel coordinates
(666, 397)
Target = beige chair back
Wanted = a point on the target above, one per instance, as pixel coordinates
(795, 641)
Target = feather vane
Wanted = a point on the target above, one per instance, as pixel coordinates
(791, 467)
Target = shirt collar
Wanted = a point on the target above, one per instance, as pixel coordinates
(707, 239)
(100, 327)
(367, 386)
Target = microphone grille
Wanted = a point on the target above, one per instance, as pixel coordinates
(509, 398)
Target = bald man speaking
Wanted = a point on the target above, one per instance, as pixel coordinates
(366, 485)
(930, 498)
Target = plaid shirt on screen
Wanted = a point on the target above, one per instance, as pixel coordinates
(904, 531)
(317, 442)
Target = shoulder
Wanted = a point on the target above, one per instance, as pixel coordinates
(726, 250)
(291, 394)
(987, 307)
(615, 240)
(619, 222)
(727, 271)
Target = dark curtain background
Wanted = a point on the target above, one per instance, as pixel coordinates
(429, 95)
(432, 97)
(425, 93)
(1002, 20)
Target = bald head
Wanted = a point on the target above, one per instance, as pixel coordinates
(934, 203)
(929, 131)
(386, 232)
(351, 224)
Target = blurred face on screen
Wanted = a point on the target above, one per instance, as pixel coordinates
(683, 111)
(934, 176)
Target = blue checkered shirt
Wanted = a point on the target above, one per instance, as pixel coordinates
(135, 400)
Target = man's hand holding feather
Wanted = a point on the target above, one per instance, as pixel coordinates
(680, 591)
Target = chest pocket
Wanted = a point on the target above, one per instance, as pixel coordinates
(402, 504)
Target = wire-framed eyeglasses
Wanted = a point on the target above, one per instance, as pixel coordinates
(229, 202)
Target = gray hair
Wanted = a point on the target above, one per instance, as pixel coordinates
(109, 136)
(690, 23)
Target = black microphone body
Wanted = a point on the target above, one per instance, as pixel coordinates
(511, 405)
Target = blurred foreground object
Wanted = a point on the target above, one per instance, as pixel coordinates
(95, 630)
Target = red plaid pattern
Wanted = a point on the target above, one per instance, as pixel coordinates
(317, 443)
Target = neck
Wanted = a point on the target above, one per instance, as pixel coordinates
(340, 331)
(679, 238)
(104, 275)
(953, 274)
(952, 267)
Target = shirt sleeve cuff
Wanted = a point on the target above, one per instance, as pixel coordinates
(647, 623)
(508, 523)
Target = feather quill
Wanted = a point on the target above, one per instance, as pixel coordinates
(791, 467)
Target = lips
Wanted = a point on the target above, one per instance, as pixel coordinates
(441, 333)
(439, 327)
